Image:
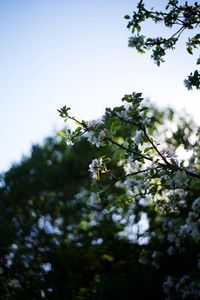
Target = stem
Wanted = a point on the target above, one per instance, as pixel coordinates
(167, 164)
(127, 175)
(148, 138)
(82, 124)
(154, 146)
(170, 166)
(179, 32)
(127, 149)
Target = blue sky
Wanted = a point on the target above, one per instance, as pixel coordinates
(75, 52)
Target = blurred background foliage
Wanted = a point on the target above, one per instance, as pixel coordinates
(57, 244)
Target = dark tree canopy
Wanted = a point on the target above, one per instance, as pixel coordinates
(65, 236)
(56, 243)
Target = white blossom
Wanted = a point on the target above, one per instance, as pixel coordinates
(143, 260)
(138, 137)
(94, 123)
(98, 166)
(94, 198)
(125, 113)
(168, 284)
(130, 166)
(92, 139)
(96, 138)
(69, 142)
(171, 237)
(169, 152)
(93, 167)
(196, 205)
(180, 177)
(171, 251)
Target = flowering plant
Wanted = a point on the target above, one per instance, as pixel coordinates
(155, 190)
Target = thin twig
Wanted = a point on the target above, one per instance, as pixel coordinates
(127, 175)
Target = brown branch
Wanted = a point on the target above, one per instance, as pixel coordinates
(127, 175)
(127, 149)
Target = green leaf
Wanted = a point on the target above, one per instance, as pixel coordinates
(78, 123)
(140, 51)
(104, 171)
(147, 149)
(173, 162)
(189, 50)
(62, 134)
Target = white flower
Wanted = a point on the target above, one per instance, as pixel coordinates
(129, 183)
(196, 205)
(98, 166)
(92, 138)
(143, 260)
(95, 138)
(93, 168)
(102, 134)
(94, 198)
(138, 137)
(125, 114)
(94, 122)
(127, 106)
(171, 237)
(155, 254)
(171, 250)
(184, 229)
(180, 177)
(169, 152)
(168, 284)
(69, 142)
(129, 167)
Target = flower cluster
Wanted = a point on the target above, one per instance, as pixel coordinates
(157, 194)
(185, 287)
(99, 166)
(95, 138)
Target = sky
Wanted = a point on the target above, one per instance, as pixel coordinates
(75, 53)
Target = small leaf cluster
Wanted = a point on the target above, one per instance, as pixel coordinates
(177, 16)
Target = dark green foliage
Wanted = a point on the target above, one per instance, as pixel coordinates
(57, 244)
(47, 250)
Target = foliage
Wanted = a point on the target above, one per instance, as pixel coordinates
(68, 235)
(128, 228)
(152, 191)
(38, 210)
(177, 17)
(58, 240)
